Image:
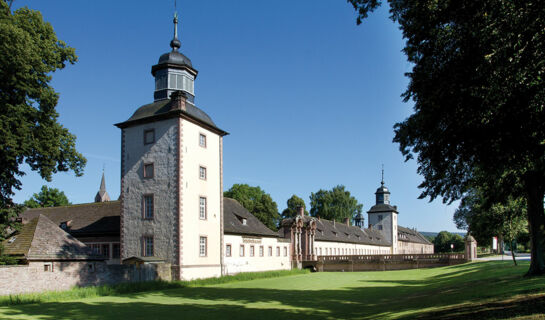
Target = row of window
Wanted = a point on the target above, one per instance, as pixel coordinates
(175, 81)
(148, 207)
(108, 250)
(147, 246)
(149, 137)
(242, 251)
(347, 251)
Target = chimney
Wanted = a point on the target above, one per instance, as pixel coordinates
(178, 99)
(347, 221)
(301, 211)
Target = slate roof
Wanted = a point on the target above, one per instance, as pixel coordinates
(411, 235)
(234, 212)
(382, 207)
(88, 219)
(162, 108)
(42, 239)
(327, 230)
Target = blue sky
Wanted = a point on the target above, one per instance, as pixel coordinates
(309, 98)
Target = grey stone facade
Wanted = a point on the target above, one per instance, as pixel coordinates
(163, 154)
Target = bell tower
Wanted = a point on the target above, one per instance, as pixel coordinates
(172, 175)
(383, 216)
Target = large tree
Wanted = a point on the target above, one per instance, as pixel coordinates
(335, 204)
(478, 88)
(47, 197)
(506, 220)
(29, 129)
(293, 204)
(255, 200)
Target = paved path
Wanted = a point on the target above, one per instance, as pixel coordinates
(507, 256)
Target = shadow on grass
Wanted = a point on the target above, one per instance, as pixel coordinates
(407, 298)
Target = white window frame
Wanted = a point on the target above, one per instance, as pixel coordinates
(203, 214)
(203, 246)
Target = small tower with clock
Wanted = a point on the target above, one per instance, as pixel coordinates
(383, 216)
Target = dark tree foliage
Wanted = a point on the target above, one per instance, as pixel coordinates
(293, 203)
(478, 89)
(29, 130)
(47, 197)
(335, 204)
(444, 239)
(255, 200)
(506, 220)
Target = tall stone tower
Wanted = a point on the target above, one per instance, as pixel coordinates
(383, 216)
(172, 175)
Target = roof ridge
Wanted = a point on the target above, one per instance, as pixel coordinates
(73, 205)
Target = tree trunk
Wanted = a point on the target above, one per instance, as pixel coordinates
(536, 223)
(513, 252)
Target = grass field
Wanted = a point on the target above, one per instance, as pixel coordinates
(482, 290)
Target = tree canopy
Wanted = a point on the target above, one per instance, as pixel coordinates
(292, 204)
(255, 200)
(29, 128)
(478, 89)
(47, 197)
(444, 239)
(335, 204)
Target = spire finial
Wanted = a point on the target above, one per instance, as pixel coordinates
(382, 180)
(175, 43)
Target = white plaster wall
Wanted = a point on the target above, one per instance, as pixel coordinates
(330, 248)
(163, 153)
(236, 264)
(405, 247)
(192, 227)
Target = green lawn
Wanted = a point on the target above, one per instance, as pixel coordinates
(483, 290)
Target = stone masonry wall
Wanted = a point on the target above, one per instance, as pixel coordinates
(58, 276)
(163, 154)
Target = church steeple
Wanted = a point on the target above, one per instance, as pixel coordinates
(102, 195)
(174, 71)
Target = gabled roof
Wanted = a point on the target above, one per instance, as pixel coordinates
(88, 219)
(233, 215)
(42, 239)
(410, 235)
(327, 230)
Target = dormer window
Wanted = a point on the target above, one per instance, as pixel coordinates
(242, 220)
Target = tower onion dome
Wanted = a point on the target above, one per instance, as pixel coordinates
(174, 71)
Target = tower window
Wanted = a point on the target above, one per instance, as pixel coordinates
(202, 173)
(379, 227)
(147, 246)
(148, 170)
(202, 246)
(149, 136)
(379, 217)
(147, 206)
(202, 140)
(202, 208)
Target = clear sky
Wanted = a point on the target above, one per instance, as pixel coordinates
(309, 98)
